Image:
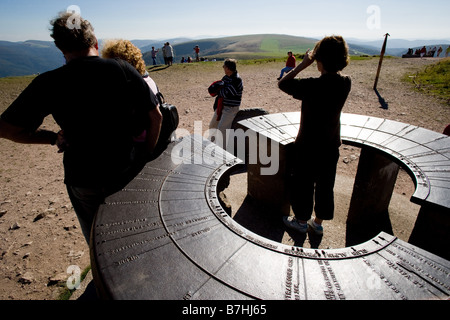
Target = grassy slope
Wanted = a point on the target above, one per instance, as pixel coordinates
(259, 46)
(434, 79)
(243, 47)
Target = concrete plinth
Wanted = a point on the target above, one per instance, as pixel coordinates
(431, 231)
(270, 190)
(369, 207)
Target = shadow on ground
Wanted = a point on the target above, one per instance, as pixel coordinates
(270, 226)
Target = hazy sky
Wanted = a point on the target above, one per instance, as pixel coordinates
(22, 20)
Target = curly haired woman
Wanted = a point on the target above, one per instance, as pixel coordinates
(127, 51)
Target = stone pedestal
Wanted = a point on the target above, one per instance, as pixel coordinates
(431, 231)
(269, 190)
(369, 207)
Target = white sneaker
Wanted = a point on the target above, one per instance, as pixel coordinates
(293, 223)
(318, 229)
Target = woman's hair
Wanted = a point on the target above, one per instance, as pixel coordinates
(125, 50)
(72, 33)
(332, 52)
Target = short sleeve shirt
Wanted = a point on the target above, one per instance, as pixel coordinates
(94, 101)
(322, 99)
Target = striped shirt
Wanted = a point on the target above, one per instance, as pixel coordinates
(232, 90)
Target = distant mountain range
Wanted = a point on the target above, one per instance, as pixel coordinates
(29, 57)
(32, 57)
(238, 47)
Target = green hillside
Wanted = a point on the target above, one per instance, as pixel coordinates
(32, 57)
(241, 47)
(433, 80)
(29, 57)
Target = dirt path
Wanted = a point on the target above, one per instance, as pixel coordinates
(39, 233)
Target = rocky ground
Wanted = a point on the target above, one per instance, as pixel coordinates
(40, 238)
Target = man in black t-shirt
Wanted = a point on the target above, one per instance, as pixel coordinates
(95, 102)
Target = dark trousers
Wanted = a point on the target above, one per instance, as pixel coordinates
(313, 174)
(87, 201)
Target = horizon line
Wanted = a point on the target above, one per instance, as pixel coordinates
(201, 37)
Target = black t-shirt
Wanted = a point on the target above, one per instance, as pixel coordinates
(94, 101)
(322, 101)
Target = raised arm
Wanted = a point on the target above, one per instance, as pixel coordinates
(307, 61)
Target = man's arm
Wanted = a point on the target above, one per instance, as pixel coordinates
(21, 135)
(154, 129)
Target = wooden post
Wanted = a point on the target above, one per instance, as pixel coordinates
(383, 50)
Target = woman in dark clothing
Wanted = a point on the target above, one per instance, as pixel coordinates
(318, 141)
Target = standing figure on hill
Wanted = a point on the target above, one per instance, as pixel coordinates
(169, 54)
(316, 149)
(164, 53)
(447, 51)
(229, 97)
(290, 65)
(154, 53)
(197, 53)
(432, 51)
(94, 101)
(423, 51)
(439, 51)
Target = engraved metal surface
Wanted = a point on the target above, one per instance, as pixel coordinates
(423, 153)
(166, 236)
